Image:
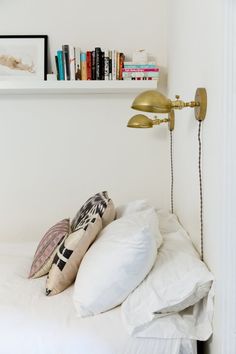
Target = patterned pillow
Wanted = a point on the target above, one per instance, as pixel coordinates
(47, 248)
(70, 253)
(100, 204)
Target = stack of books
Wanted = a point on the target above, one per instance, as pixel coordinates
(73, 64)
(136, 71)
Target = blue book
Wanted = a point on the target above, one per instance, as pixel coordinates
(61, 67)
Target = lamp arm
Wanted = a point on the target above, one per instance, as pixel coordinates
(158, 121)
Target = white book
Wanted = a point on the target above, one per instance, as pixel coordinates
(77, 63)
(106, 64)
(72, 62)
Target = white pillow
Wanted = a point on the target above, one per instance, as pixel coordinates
(178, 280)
(132, 207)
(117, 262)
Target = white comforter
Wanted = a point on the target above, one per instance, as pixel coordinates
(31, 323)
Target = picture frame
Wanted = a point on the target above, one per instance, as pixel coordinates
(23, 57)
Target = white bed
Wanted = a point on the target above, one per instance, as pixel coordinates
(31, 323)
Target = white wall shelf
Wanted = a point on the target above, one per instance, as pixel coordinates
(74, 87)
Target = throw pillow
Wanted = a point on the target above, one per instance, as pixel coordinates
(47, 247)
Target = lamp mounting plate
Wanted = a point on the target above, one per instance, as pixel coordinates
(171, 123)
(201, 98)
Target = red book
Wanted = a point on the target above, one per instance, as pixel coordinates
(89, 65)
(122, 60)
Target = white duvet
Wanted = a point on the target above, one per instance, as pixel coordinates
(31, 323)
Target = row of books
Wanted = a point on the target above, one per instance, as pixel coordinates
(135, 71)
(73, 64)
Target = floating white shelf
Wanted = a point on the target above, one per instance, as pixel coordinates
(74, 87)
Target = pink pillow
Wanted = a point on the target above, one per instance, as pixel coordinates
(47, 248)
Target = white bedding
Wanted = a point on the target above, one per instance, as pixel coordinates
(31, 323)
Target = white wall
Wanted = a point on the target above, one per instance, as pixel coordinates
(197, 50)
(56, 151)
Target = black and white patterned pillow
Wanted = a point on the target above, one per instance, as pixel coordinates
(100, 204)
(96, 212)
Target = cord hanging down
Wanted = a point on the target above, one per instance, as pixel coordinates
(171, 173)
(200, 185)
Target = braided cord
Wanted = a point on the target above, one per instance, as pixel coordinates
(200, 185)
(171, 173)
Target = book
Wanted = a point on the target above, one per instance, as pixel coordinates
(117, 65)
(61, 65)
(65, 49)
(122, 60)
(143, 75)
(106, 65)
(97, 63)
(102, 64)
(113, 64)
(89, 65)
(57, 66)
(93, 65)
(110, 65)
(126, 70)
(83, 66)
(77, 64)
(132, 65)
(72, 62)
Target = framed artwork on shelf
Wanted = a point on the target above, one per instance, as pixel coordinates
(23, 57)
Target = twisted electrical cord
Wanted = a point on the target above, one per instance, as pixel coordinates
(200, 185)
(171, 173)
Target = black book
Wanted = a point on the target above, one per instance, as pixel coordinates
(93, 65)
(98, 63)
(102, 65)
(57, 67)
(66, 55)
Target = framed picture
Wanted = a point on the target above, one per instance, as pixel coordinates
(23, 57)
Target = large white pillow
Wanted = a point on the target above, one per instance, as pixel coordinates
(132, 207)
(179, 279)
(117, 262)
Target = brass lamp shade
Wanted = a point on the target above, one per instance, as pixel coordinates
(140, 121)
(152, 101)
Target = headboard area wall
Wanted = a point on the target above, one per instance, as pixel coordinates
(56, 151)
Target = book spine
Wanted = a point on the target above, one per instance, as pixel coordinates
(122, 59)
(77, 64)
(89, 65)
(139, 66)
(144, 75)
(72, 62)
(98, 61)
(57, 66)
(61, 65)
(110, 65)
(83, 66)
(117, 65)
(106, 65)
(125, 70)
(113, 65)
(93, 65)
(65, 49)
(102, 66)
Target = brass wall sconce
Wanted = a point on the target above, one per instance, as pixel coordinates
(155, 102)
(142, 121)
